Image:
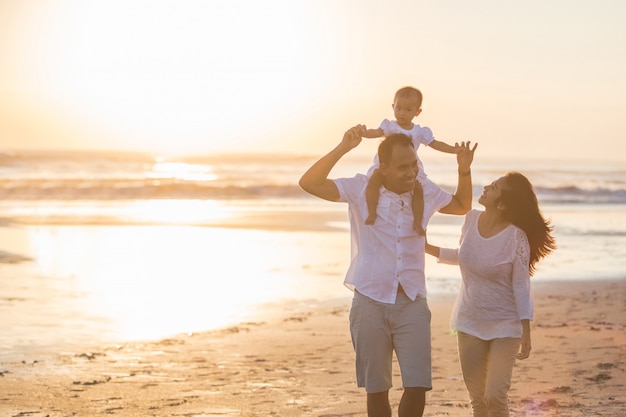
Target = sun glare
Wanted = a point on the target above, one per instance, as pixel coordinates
(201, 212)
(182, 171)
(168, 76)
(151, 282)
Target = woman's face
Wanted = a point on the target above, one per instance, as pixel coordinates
(492, 192)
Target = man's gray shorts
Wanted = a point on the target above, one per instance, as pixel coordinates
(378, 329)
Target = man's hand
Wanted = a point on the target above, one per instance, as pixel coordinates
(352, 138)
(465, 155)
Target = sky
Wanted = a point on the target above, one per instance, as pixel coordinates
(540, 79)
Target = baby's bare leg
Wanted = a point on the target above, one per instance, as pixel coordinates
(417, 205)
(372, 196)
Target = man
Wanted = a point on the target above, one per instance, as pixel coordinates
(389, 310)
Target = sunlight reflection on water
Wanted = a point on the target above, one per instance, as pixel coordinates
(152, 276)
(153, 281)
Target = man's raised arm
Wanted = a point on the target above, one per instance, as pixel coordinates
(315, 180)
(462, 199)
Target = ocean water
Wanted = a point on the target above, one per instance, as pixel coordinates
(585, 200)
(117, 246)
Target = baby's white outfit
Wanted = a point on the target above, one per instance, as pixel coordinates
(418, 134)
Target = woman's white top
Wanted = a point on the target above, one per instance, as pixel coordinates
(495, 292)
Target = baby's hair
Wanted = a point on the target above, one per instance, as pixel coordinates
(409, 92)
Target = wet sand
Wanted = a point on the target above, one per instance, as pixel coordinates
(299, 362)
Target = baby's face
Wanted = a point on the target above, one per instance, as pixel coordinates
(405, 109)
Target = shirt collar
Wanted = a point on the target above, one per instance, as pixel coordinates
(391, 194)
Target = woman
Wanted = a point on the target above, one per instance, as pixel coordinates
(499, 249)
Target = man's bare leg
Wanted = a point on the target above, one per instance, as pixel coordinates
(378, 404)
(412, 402)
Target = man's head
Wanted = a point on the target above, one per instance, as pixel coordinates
(398, 163)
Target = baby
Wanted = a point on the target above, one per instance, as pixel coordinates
(406, 105)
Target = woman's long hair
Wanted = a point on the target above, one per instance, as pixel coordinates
(522, 209)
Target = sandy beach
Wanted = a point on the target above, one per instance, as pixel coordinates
(299, 362)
